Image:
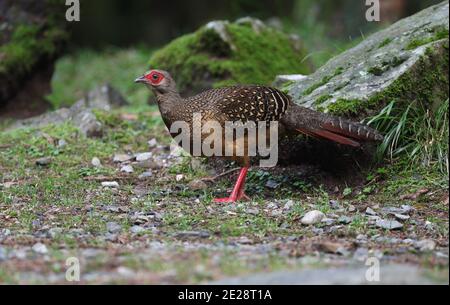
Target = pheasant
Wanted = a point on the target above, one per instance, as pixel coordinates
(255, 104)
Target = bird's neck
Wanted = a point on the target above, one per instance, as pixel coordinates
(168, 104)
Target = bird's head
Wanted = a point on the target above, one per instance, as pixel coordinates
(159, 81)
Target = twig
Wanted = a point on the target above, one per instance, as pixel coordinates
(212, 179)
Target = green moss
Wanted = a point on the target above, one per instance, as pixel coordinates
(28, 44)
(386, 65)
(395, 62)
(439, 33)
(203, 57)
(322, 100)
(385, 42)
(376, 70)
(342, 86)
(287, 86)
(345, 106)
(324, 81)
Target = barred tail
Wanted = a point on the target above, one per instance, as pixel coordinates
(322, 125)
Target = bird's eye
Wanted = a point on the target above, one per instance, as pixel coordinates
(155, 76)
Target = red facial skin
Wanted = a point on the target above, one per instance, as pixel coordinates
(154, 78)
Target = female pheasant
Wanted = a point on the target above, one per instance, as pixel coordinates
(250, 103)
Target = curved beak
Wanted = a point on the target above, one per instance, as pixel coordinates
(141, 79)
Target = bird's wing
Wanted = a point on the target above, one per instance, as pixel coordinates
(250, 103)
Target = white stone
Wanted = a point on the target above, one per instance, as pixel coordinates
(152, 143)
(112, 184)
(426, 245)
(388, 224)
(127, 169)
(144, 156)
(40, 248)
(312, 217)
(119, 158)
(96, 162)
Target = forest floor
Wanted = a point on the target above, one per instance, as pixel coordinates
(158, 224)
(155, 221)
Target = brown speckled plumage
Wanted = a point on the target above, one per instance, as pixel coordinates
(257, 103)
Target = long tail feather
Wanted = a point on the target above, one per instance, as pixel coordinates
(321, 125)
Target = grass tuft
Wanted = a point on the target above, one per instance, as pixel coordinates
(419, 133)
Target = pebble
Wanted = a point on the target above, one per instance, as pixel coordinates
(426, 245)
(40, 248)
(272, 184)
(388, 224)
(429, 225)
(312, 217)
(145, 175)
(276, 213)
(361, 254)
(345, 219)
(272, 206)
(96, 162)
(43, 161)
(409, 241)
(120, 158)
(244, 240)
(352, 208)
(111, 184)
(334, 204)
(179, 177)
(127, 169)
(185, 234)
(371, 212)
(149, 164)
(152, 143)
(288, 205)
(328, 221)
(62, 143)
(198, 185)
(361, 237)
(144, 156)
(252, 211)
(402, 217)
(137, 229)
(20, 253)
(54, 232)
(113, 227)
(110, 237)
(116, 209)
(404, 209)
(317, 231)
(125, 272)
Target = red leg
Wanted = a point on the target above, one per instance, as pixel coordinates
(238, 190)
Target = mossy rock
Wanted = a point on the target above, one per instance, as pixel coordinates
(31, 35)
(407, 61)
(223, 53)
